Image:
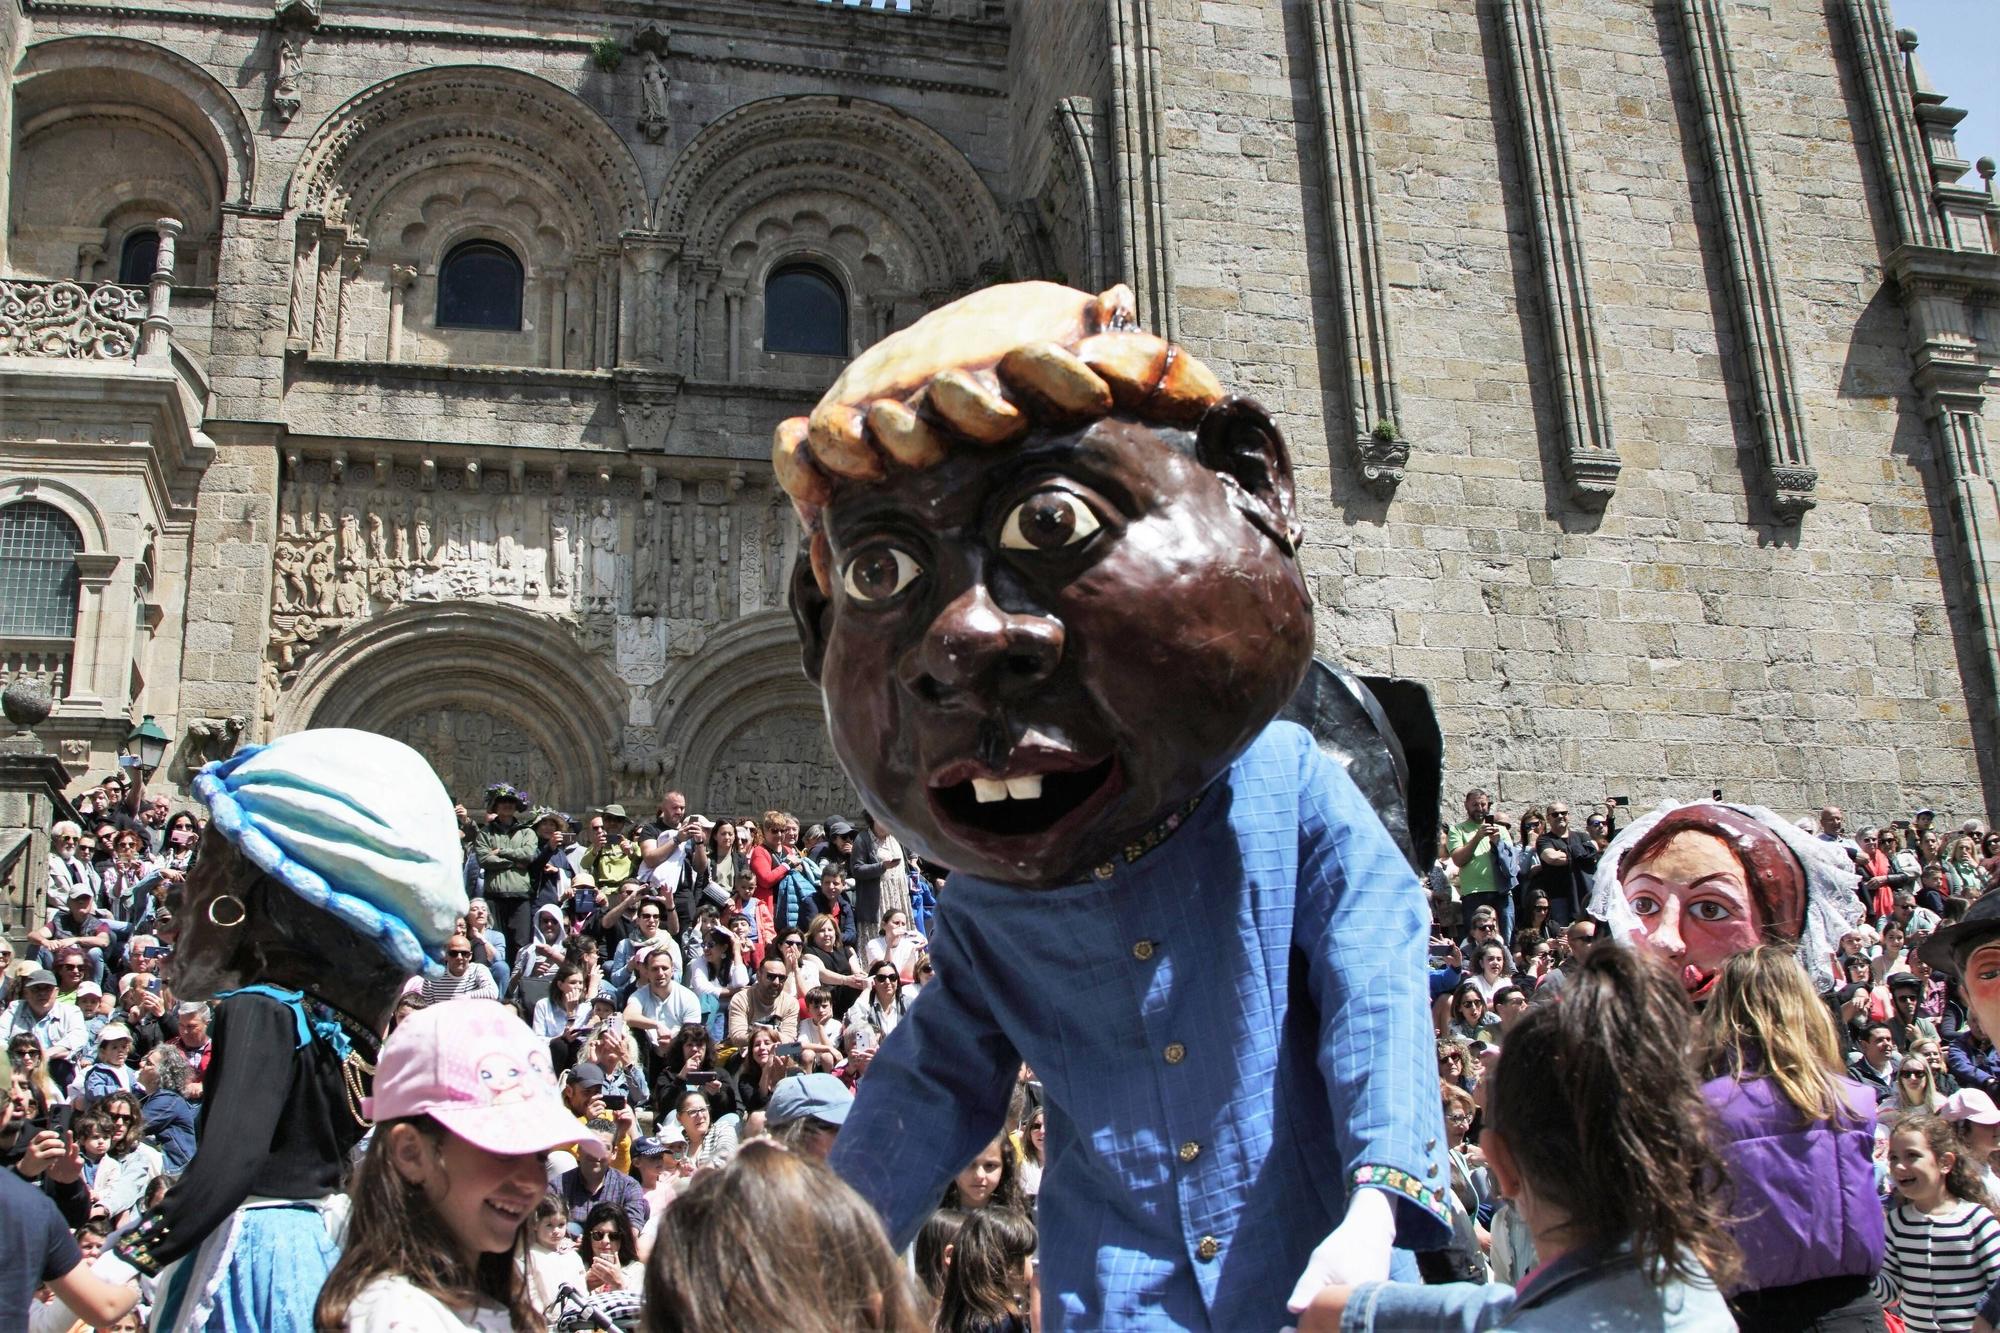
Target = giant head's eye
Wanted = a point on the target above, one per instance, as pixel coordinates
(1047, 521)
(879, 573)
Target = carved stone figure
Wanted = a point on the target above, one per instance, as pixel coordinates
(350, 596)
(290, 593)
(378, 539)
(604, 562)
(645, 565)
(319, 578)
(561, 554)
(286, 64)
(351, 550)
(425, 553)
(653, 92)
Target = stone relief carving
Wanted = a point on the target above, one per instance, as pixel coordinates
(780, 762)
(285, 66)
(653, 121)
(637, 583)
(470, 748)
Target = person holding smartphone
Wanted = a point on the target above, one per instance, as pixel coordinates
(1474, 845)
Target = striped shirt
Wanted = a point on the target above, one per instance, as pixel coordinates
(1939, 1265)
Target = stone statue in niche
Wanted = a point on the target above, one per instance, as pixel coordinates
(653, 122)
(561, 553)
(378, 539)
(645, 565)
(402, 529)
(350, 596)
(424, 550)
(604, 561)
(287, 62)
(504, 556)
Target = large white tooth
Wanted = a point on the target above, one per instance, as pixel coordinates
(988, 790)
(1025, 789)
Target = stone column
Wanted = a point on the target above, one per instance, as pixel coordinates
(556, 294)
(95, 668)
(401, 278)
(88, 256)
(305, 286)
(645, 257)
(156, 331)
(326, 290)
(608, 352)
(733, 300)
(344, 315)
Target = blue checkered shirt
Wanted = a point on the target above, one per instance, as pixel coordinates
(1233, 1032)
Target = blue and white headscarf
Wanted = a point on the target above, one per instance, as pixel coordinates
(354, 823)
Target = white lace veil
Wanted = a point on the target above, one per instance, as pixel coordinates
(1832, 909)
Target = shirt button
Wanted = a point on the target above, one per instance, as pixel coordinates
(1143, 950)
(1190, 1150)
(1431, 1170)
(1207, 1249)
(1175, 1052)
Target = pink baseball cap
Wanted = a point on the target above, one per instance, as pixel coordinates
(479, 1071)
(1968, 1104)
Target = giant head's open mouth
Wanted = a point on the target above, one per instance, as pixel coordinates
(1020, 806)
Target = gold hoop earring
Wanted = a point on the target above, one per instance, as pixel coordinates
(227, 901)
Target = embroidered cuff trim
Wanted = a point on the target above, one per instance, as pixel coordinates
(1406, 1185)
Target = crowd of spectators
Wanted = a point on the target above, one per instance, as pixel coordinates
(703, 984)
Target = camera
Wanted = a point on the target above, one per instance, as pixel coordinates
(615, 1101)
(1715, 793)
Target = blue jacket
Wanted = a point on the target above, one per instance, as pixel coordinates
(1580, 1292)
(169, 1119)
(1229, 1020)
(1974, 1063)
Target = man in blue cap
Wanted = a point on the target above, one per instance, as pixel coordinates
(806, 1112)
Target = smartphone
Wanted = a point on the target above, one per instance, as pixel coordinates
(614, 1101)
(1621, 800)
(153, 985)
(698, 1078)
(789, 1050)
(156, 951)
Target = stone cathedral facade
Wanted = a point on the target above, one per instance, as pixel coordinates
(413, 366)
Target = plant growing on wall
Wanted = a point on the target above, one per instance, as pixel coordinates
(607, 53)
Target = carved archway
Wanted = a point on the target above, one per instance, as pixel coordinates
(472, 116)
(170, 87)
(923, 193)
(486, 692)
(748, 730)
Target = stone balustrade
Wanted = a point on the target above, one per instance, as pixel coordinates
(44, 659)
(99, 322)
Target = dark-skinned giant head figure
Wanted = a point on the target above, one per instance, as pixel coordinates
(1052, 589)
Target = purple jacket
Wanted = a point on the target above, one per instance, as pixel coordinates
(1804, 1198)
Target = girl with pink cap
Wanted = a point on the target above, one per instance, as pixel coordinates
(465, 1108)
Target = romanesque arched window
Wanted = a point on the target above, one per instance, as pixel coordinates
(38, 581)
(138, 257)
(804, 311)
(479, 287)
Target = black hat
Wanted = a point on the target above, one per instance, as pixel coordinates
(1906, 981)
(839, 828)
(1980, 923)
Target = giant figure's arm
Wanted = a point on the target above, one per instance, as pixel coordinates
(249, 1080)
(1361, 922)
(934, 1095)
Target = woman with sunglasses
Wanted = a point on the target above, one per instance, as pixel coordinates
(759, 1068)
(611, 1251)
(883, 1007)
(1915, 1090)
(139, 1162)
(689, 1064)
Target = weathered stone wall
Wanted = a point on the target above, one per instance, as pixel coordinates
(1679, 640)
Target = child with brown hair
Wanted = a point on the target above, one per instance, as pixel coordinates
(1943, 1240)
(1598, 1133)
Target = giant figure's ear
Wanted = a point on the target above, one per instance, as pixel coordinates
(810, 607)
(1238, 439)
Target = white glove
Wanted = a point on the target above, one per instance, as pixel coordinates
(1356, 1252)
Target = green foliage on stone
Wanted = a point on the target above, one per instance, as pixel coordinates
(607, 53)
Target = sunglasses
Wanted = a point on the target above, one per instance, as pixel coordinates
(775, 976)
(1915, 1073)
(649, 916)
(604, 1233)
(793, 944)
(458, 953)
(885, 976)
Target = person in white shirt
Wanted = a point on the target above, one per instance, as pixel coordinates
(819, 1032)
(897, 942)
(658, 1008)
